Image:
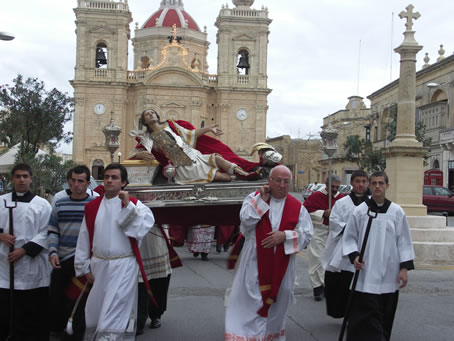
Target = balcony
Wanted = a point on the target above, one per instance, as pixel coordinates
(104, 5)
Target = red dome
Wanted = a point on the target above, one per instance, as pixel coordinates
(168, 16)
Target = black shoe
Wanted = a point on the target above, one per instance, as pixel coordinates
(155, 323)
(318, 293)
(218, 248)
(204, 256)
(226, 247)
(139, 331)
(195, 254)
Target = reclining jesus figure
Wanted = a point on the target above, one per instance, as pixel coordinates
(209, 156)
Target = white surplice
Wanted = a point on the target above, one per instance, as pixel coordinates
(388, 245)
(113, 297)
(241, 319)
(30, 225)
(332, 258)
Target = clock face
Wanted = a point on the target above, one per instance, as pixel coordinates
(99, 108)
(241, 114)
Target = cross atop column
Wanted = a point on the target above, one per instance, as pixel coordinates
(410, 15)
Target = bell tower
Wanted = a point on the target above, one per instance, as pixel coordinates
(242, 45)
(101, 74)
(242, 40)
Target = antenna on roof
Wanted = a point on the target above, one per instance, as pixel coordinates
(391, 51)
(359, 68)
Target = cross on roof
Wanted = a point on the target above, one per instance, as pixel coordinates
(410, 15)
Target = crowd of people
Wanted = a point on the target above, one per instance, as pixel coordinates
(96, 267)
(359, 253)
(71, 268)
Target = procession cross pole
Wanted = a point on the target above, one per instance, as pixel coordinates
(355, 279)
(11, 273)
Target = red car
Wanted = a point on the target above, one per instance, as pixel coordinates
(438, 199)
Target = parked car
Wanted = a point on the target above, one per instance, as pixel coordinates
(308, 190)
(316, 188)
(438, 199)
(345, 189)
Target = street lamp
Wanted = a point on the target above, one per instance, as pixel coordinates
(329, 140)
(6, 36)
(112, 132)
(119, 156)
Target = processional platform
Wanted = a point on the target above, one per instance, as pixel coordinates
(215, 203)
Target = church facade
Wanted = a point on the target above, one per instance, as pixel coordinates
(170, 74)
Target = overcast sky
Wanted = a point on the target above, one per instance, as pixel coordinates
(314, 49)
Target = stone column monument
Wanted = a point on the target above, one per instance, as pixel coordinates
(404, 155)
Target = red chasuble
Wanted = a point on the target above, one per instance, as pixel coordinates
(91, 211)
(319, 201)
(272, 264)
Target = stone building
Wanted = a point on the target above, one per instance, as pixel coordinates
(355, 119)
(169, 74)
(301, 156)
(434, 96)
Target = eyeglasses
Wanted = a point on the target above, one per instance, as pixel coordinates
(279, 181)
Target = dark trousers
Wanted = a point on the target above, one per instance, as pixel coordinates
(372, 316)
(146, 308)
(61, 306)
(337, 290)
(31, 314)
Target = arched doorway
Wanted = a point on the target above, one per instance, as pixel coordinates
(436, 164)
(97, 169)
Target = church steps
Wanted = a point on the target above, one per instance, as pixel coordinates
(434, 253)
(433, 235)
(432, 240)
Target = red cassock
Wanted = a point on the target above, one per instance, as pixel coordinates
(319, 201)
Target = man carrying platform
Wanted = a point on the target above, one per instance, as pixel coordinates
(276, 227)
(107, 254)
(317, 204)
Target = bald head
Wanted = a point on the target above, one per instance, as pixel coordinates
(281, 169)
(279, 181)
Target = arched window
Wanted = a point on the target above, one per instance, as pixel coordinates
(101, 56)
(243, 62)
(97, 169)
(436, 164)
(439, 95)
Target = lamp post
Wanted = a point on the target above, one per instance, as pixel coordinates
(329, 140)
(112, 132)
(119, 156)
(6, 36)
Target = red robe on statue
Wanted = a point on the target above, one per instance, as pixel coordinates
(207, 145)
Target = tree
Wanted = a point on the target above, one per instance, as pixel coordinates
(49, 171)
(32, 116)
(362, 152)
(420, 128)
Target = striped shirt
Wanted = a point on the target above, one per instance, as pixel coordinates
(64, 225)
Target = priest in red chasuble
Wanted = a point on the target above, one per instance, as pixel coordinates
(275, 227)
